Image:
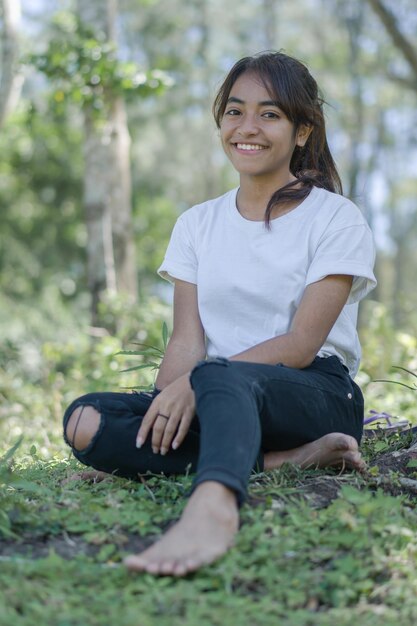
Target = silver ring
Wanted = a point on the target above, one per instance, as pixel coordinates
(162, 415)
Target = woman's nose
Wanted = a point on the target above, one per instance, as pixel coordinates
(248, 125)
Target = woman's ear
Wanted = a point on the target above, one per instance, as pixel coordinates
(303, 133)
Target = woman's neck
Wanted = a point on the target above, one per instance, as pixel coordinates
(253, 196)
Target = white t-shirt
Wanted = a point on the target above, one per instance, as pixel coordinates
(251, 280)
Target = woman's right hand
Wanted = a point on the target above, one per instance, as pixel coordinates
(169, 416)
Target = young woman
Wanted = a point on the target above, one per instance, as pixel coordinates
(259, 368)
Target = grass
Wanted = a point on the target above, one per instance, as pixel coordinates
(294, 562)
(315, 548)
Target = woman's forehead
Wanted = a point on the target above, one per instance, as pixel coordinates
(251, 83)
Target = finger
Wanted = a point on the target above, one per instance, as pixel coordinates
(183, 429)
(147, 423)
(158, 432)
(171, 428)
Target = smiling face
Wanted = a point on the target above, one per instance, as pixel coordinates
(256, 135)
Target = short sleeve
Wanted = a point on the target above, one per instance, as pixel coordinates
(180, 259)
(350, 251)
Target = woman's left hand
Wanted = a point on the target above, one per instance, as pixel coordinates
(169, 416)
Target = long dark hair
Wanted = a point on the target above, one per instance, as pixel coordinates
(295, 91)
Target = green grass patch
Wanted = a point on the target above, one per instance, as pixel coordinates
(293, 563)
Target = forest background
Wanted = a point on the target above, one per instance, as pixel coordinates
(107, 136)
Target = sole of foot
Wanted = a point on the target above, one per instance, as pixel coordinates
(332, 450)
(204, 533)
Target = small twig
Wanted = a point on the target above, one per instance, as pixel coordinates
(68, 539)
(394, 382)
(404, 369)
(151, 493)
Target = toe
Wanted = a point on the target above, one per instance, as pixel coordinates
(181, 569)
(154, 568)
(167, 567)
(355, 461)
(135, 563)
(346, 442)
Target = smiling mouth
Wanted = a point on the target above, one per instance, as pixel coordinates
(250, 147)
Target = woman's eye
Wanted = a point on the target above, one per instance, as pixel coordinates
(270, 115)
(233, 112)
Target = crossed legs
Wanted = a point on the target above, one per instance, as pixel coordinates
(210, 519)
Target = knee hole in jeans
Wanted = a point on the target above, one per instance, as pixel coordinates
(82, 426)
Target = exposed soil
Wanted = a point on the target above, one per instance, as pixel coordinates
(67, 546)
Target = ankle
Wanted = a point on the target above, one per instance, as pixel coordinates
(214, 489)
(214, 497)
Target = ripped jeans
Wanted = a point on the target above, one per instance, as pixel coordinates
(242, 410)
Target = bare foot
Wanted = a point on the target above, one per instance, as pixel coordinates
(334, 449)
(94, 476)
(204, 533)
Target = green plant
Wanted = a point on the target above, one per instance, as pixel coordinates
(85, 68)
(151, 354)
(11, 482)
(397, 382)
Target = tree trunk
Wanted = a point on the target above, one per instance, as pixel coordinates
(120, 185)
(404, 44)
(10, 80)
(107, 185)
(269, 11)
(354, 22)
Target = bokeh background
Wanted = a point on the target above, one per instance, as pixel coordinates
(106, 136)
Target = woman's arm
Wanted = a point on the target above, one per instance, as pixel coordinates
(187, 343)
(320, 306)
(171, 413)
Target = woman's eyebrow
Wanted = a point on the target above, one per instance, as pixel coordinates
(263, 103)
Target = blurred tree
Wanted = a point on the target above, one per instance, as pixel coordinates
(10, 78)
(403, 43)
(352, 15)
(41, 234)
(399, 177)
(375, 138)
(107, 185)
(82, 63)
(176, 157)
(269, 10)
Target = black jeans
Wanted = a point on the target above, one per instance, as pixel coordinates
(243, 410)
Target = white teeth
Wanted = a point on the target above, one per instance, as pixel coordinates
(249, 146)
